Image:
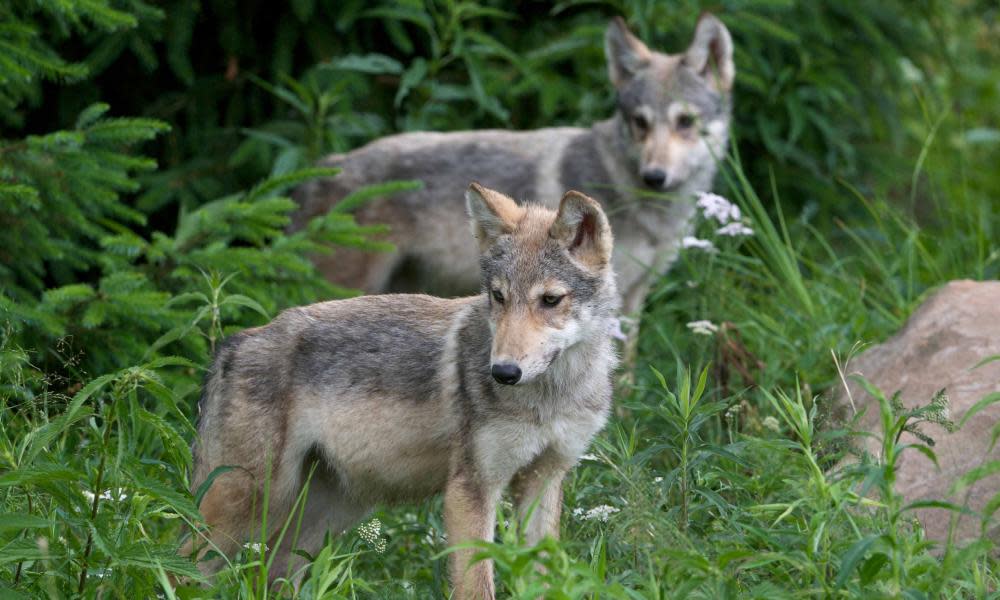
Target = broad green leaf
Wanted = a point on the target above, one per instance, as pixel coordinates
(850, 559)
(17, 521)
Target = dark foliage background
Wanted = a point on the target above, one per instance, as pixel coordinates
(257, 89)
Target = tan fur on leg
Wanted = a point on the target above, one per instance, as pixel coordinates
(469, 514)
(538, 490)
(228, 510)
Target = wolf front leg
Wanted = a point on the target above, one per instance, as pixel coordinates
(537, 492)
(470, 515)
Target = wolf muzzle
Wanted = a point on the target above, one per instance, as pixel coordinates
(506, 373)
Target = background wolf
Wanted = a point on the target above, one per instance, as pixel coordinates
(671, 126)
(399, 396)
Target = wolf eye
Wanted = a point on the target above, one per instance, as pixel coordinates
(498, 296)
(551, 300)
(685, 120)
(640, 122)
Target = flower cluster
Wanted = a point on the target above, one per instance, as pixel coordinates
(939, 411)
(119, 494)
(703, 327)
(599, 513)
(714, 206)
(693, 242)
(727, 214)
(256, 547)
(371, 532)
(772, 424)
(615, 329)
(734, 229)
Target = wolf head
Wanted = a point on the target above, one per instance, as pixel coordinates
(547, 276)
(675, 108)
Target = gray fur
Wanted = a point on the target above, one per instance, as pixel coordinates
(605, 162)
(391, 397)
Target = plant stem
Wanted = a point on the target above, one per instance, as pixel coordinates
(17, 571)
(93, 510)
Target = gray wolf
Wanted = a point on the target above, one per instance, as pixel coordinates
(671, 127)
(398, 397)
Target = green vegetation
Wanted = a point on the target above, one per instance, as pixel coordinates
(144, 156)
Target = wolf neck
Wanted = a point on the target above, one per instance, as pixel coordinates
(613, 140)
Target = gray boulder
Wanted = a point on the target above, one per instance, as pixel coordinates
(952, 331)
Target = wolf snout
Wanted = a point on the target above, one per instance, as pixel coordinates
(506, 373)
(654, 177)
(660, 179)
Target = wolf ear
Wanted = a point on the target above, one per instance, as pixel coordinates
(583, 229)
(711, 53)
(492, 214)
(624, 52)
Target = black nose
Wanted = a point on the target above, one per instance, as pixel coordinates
(506, 373)
(654, 178)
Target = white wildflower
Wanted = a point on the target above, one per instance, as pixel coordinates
(615, 329)
(256, 547)
(693, 242)
(714, 206)
(599, 513)
(371, 532)
(657, 480)
(911, 74)
(691, 283)
(119, 494)
(703, 327)
(734, 229)
(772, 424)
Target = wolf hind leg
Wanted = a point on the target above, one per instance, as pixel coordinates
(327, 508)
(234, 505)
(228, 510)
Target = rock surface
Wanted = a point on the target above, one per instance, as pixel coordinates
(952, 331)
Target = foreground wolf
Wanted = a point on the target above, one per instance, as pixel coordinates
(398, 397)
(671, 126)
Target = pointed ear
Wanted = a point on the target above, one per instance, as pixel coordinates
(583, 229)
(711, 53)
(492, 214)
(624, 52)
